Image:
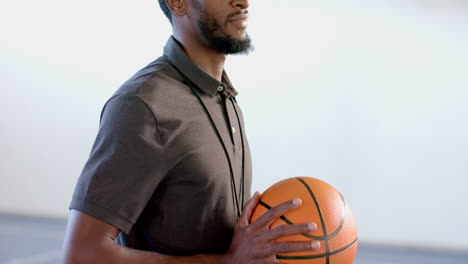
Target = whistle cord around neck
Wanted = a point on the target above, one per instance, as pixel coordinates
(242, 183)
(233, 184)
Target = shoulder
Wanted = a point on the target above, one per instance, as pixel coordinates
(125, 115)
(158, 86)
(148, 91)
(153, 82)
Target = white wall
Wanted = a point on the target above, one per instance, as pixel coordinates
(367, 95)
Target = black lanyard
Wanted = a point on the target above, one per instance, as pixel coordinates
(233, 184)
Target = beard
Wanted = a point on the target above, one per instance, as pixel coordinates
(218, 39)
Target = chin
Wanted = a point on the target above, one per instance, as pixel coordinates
(240, 35)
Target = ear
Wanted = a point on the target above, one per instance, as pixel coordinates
(178, 7)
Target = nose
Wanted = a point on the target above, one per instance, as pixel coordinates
(240, 4)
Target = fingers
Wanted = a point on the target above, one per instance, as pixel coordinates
(289, 230)
(257, 242)
(287, 247)
(248, 210)
(277, 211)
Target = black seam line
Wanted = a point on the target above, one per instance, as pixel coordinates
(269, 207)
(322, 221)
(343, 211)
(319, 255)
(289, 222)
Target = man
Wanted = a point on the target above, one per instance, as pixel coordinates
(170, 169)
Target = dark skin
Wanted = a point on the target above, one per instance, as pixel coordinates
(185, 30)
(90, 240)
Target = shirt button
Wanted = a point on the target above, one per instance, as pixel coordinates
(220, 88)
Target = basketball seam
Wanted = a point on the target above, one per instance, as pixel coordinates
(289, 222)
(326, 237)
(322, 221)
(319, 255)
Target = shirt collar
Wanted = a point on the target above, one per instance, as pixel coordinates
(177, 56)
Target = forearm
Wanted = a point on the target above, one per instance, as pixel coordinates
(117, 254)
(129, 256)
(197, 259)
(89, 241)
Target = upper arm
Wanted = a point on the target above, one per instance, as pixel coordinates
(87, 238)
(126, 164)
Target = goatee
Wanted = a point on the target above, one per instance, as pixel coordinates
(222, 43)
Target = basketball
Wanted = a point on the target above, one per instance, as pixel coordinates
(321, 204)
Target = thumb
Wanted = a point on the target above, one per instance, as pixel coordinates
(248, 210)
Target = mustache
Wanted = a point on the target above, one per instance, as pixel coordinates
(240, 12)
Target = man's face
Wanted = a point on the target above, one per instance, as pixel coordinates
(223, 24)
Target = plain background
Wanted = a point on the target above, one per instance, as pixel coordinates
(373, 97)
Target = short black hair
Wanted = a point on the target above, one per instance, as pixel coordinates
(165, 9)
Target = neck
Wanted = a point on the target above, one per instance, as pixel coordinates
(209, 60)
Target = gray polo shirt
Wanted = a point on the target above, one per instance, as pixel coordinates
(160, 168)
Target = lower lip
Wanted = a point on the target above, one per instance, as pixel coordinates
(242, 23)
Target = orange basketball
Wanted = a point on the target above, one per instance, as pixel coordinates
(321, 204)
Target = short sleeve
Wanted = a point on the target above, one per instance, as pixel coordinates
(126, 164)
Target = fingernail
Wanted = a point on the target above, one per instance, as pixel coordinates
(311, 226)
(297, 201)
(315, 245)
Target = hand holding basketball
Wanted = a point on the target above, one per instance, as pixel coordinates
(256, 242)
(322, 204)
